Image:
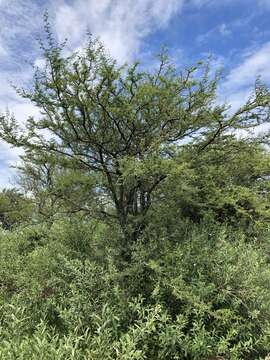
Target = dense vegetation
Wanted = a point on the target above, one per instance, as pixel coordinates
(141, 227)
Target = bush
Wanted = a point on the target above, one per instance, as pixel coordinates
(203, 297)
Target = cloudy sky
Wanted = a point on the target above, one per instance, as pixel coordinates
(235, 32)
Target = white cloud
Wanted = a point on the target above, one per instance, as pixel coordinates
(239, 83)
(8, 157)
(224, 30)
(121, 25)
(253, 65)
(21, 109)
(220, 30)
(3, 51)
(18, 19)
(212, 3)
(265, 3)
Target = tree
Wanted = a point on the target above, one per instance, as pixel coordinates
(229, 183)
(56, 190)
(122, 123)
(15, 209)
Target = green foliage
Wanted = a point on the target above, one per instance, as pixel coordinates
(228, 183)
(205, 297)
(56, 191)
(15, 209)
(145, 230)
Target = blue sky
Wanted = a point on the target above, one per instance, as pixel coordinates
(235, 32)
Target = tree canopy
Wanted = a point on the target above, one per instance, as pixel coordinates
(124, 124)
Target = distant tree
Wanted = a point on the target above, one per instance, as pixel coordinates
(15, 209)
(123, 124)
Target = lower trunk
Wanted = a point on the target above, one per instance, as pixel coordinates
(132, 223)
(131, 233)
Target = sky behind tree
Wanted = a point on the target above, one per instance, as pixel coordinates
(236, 33)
